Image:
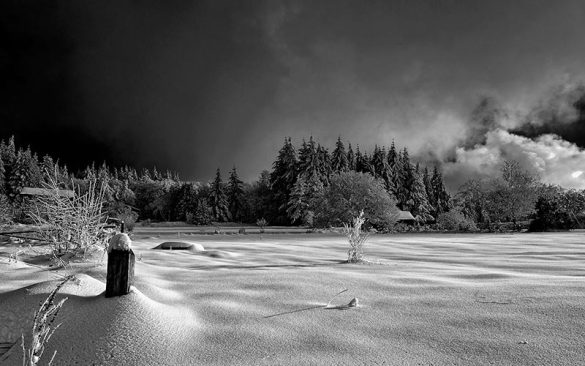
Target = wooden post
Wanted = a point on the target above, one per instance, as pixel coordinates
(120, 266)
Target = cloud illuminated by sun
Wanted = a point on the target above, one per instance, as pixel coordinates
(553, 160)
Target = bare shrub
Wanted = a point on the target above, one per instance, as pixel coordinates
(262, 223)
(356, 238)
(43, 327)
(71, 223)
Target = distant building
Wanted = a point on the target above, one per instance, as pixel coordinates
(405, 217)
(29, 191)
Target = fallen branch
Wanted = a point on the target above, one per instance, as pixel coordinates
(339, 293)
(352, 304)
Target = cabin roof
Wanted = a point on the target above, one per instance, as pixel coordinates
(31, 191)
(404, 216)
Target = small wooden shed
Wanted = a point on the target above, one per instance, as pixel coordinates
(405, 217)
(31, 191)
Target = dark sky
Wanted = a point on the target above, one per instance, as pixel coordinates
(195, 85)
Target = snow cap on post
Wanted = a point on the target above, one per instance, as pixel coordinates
(120, 241)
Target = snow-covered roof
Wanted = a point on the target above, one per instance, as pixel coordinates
(29, 191)
(404, 216)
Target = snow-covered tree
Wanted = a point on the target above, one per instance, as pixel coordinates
(350, 158)
(235, 195)
(339, 158)
(305, 191)
(218, 199)
(421, 209)
(441, 197)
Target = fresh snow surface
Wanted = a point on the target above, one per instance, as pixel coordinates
(438, 299)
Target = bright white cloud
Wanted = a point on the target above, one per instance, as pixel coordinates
(556, 161)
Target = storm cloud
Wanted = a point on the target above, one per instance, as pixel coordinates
(546, 140)
(192, 86)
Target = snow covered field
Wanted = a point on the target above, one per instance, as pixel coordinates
(424, 299)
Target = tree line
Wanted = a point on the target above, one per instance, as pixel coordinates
(307, 185)
(283, 196)
(300, 178)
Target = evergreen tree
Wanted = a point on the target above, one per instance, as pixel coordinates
(421, 207)
(202, 214)
(2, 179)
(90, 172)
(146, 176)
(133, 175)
(283, 176)
(350, 158)
(126, 195)
(218, 199)
(19, 175)
(8, 151)
(440, 196)
(8, 155)
(367, 165)
(127, 173)
(34, 167)
(339, 158)
(305, 190)
(386, 172)
(3, 148)
(186, 201)
(48, 169)
(261, 199)
(323, 164)
(429, 188)
(360, 163)
(156, 175)
(378, 162)
(393, 168)
(235, 196)
(405, 182)
(297, 205)
(103, 180)
(123, 173)
(103, 173)
(308, 159)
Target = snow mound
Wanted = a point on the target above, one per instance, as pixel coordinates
(180, 245)
(132, 329)
(219, 254)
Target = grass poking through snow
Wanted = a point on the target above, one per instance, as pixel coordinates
(43, 327)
